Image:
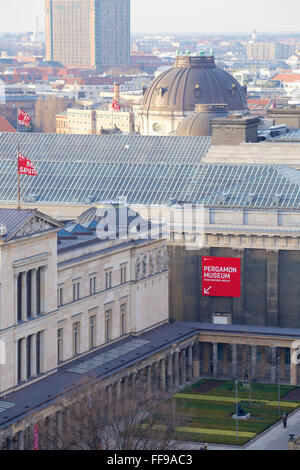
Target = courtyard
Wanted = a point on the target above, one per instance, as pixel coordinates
(206, 409)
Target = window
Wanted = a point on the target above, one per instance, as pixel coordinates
(92, 332)
(76, 338)
(60, 298)
(92, 285)
(123, 274)
(76, 291)
(108, 278)
(108, 315)
(123, 315)
(60, 333)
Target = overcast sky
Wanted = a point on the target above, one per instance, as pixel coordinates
(178, 15)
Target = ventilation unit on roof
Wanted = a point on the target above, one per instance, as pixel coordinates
(277, 199)
(31, 198)
(89, 199)
(223, 198)
(250, 198)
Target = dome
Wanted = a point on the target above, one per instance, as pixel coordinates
(192, 81)
(198, 123)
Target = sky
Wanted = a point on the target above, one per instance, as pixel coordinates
(181, 16)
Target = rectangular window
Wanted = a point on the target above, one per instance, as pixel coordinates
(28, 356)
(123, 274)
(19, 359)
(60, 335)
(108, 315)
(60, 299)
(92, 285)
(76, 291)
(108, 278)
(76, 338)
(123, 319)
(92, 332)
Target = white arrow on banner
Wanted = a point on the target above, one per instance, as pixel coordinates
(206, 291)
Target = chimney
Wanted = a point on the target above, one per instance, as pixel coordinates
(117, 92)
(234, 129)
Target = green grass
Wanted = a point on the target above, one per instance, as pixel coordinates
(208, 416)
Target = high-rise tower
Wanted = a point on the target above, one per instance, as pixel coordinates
(88, 33)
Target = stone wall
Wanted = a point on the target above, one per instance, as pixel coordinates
(269, 285)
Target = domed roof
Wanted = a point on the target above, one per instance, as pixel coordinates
(198, 123)
(194, 80)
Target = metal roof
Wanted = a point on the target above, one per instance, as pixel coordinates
(13, 219)
(44, 392)
(79, 169)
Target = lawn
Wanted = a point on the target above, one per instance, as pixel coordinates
(207, 416)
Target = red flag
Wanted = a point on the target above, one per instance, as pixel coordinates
(116, 106)
(36, 438)
(23, 118)
(25, 167)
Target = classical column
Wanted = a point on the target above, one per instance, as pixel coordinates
(263, 362)
(33, 293)
(225, 359)
(163, 375)
(33, 356)
(119, 389)
(196, 360)
(206, 358)
(234, 361)
(16, 277)
(253, 362)
(215, 360)
(133, 379)
(176, 370)
(110, 401)
(238, 302)
(293, 367)
(155, 377)
(182, 367)
(190, 363)
(273, 365)
(23, 360)
(170, 373)
(272, 287)
(126, 386)
(24, 295)
(21, 440)
(43, 271)
(149, 382)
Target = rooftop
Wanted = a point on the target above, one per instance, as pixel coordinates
(113, 358)
(78, 169)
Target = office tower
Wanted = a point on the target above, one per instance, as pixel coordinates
(88, 33)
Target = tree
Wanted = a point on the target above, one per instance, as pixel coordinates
(89, 420)
(46, 110)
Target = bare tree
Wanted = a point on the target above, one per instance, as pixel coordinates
(88, 420)
(46, 110)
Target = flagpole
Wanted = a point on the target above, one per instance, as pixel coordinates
(18, 152)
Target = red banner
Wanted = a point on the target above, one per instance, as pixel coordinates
(116, 106)
(25, 167)
(24, 118)
(221, 277)
(36, 438)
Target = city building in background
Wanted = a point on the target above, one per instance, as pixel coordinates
(269, 51)
(89, 33)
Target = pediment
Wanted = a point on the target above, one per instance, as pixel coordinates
(38, 223)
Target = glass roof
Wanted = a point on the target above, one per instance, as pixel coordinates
(77, 169)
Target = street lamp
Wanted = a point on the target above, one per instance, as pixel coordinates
(236, 409)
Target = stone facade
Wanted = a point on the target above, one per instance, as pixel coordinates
(57, 304)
